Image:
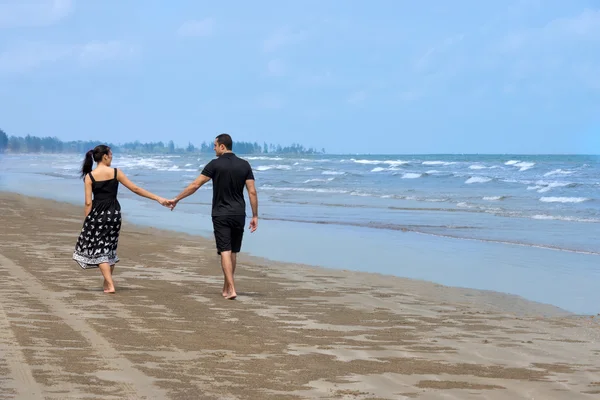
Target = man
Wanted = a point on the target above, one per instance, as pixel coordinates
(229, 175)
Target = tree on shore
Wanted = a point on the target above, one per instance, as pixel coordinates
(3, 140)
(35, 144)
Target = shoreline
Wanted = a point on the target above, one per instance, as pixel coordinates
(499, 301)
(472, 249)
(295, 331)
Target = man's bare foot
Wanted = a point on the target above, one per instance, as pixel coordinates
(231, 296)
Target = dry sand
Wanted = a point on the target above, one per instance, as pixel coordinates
(295, 332)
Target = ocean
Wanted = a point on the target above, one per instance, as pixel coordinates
(525, 225)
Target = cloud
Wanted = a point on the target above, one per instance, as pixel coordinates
(281, 39)
(270, 101)
(584, 26)
(357, 97)
(195, 28)
(27, 56)
(276, 67)
(96, 52)
(440, 50)
(562, 52)
(19, 14)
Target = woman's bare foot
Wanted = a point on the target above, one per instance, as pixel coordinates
(105, 286)
(110, 290)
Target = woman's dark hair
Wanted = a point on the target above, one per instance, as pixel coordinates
(95, 154)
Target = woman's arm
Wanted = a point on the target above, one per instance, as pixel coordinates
(88, 195)
(122, 178)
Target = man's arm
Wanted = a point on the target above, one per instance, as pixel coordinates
(190, 189)
(253, 203)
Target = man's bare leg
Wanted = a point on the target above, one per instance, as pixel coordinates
(227, 266)
(109, 284)
(233, 264)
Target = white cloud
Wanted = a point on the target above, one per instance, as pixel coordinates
(281, 39)
(195, 28)
(411, 95)
(27, 56)
(561, 52)
(276, 67)
(440, 50)
(357, 97)
(584, 26)
(270, 101)
(95, 52)
(19, 13)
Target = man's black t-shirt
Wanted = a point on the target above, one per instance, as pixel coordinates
(229, 174)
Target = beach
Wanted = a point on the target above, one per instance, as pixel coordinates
(295, 331)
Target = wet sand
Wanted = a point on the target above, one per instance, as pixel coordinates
(295, 332)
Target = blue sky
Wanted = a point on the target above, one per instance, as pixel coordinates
(517, 76)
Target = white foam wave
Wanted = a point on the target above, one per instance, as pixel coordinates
(443, 163)
(552, 185)
(296, 189)
(378, 169)
(411, 175)
(377, 162)
(333, 173)
(564, 199)
(494, 198)
(264, 158)
(564, 218)
(478, 167)
(318, 180)
(522, 165)
(559, 172)
(535, 187)
(525, 166)
(269, 167)
(478, 179)
(543, 187)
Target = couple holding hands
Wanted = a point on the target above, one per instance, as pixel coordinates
(98, 240)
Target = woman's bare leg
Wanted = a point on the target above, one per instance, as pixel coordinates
(109, 286)
(112, 268)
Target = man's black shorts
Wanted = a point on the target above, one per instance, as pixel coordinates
(229, 230)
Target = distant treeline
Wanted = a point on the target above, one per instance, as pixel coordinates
(34, 144)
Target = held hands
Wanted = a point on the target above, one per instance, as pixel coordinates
(167, 203)
(173, 203)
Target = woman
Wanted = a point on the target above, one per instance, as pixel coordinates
(97, 243)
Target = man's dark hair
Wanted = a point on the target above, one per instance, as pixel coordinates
(225, 140)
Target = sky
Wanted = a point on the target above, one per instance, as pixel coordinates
(378, 77)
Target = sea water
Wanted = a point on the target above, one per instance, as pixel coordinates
(526, 225)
